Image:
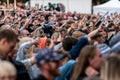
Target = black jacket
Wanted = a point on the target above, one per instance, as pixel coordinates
(40, 77)
(22, 73)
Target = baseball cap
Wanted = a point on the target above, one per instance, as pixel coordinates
(47, 55)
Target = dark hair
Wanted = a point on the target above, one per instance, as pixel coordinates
(8, 34)
(68, 43)
(96, 36)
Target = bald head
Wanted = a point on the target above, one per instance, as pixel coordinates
(25, 33)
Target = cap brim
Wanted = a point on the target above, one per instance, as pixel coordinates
(59, 57)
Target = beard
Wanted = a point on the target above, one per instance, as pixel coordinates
(54, 71)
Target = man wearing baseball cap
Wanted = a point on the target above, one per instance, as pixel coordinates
(48, 62)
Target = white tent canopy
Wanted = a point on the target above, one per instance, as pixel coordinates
(112, 6)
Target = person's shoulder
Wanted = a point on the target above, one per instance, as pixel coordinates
(71, 62)
(17, 63)
(20, 67)
(22, 73)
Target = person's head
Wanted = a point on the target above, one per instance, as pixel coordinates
(49, 61)
(35, 22)
(63, 33)
(7, 71)
(13, 53)
(38, 33)
(51, 8)
(77, 34)
(25, 33)
(16, 29)
(8, 41)
(89, 56)
(99, 38)
(74, 26)
(57, 28)
(55, 36)
(42, 18)
(12, 19)
(110, 69)
(23, 22)
(68, 43)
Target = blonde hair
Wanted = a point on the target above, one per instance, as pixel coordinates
(55, 36)
(111, 68)
(77, 34)
(7, 69)
(38, 33)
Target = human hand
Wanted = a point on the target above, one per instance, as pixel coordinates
(32, 60)
(73, 26)
(51, 44)
(91, 72)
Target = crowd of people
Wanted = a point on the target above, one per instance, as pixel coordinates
(50, 44)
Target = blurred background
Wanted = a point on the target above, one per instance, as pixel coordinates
(95, 2)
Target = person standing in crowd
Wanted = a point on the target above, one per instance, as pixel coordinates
(74, 50)
(25, 33)
(88, 64)
(48, 62)
(110, 69)
(8, 40)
